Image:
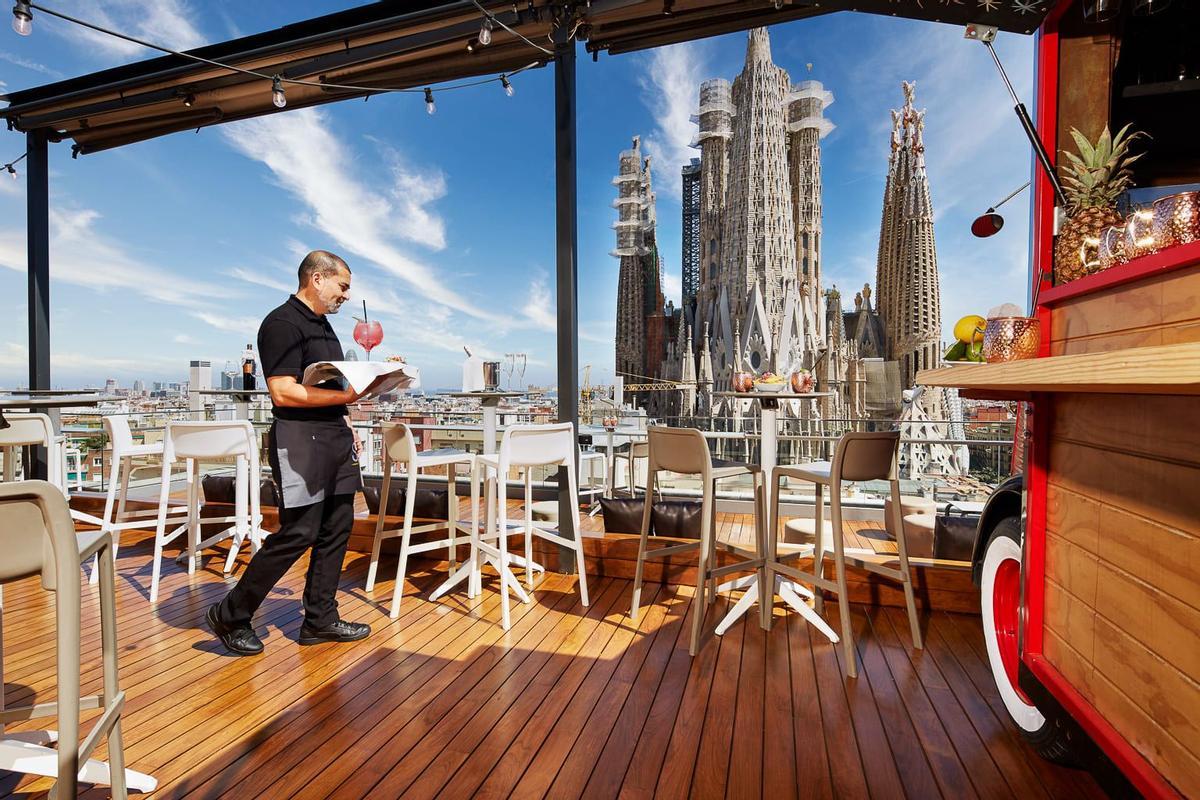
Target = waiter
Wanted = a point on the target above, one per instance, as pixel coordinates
(314, 458)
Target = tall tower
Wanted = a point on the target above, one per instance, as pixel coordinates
(807, 125)
(631, 250)
(715, 116)
(691, 236)
(759, 248)
(907, 277)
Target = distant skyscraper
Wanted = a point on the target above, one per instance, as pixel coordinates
(199, 378)
(139, 387)
(110, 386)
(906, 268)
(691, 237)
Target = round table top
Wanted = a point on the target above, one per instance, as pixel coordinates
(483, 394)
(786, 395)
(47, 392)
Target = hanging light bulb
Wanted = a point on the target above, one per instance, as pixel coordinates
(189, 99)
(472, 44)
(508, 87)
(485, 32)
(430, 107)
(277, 95)
(11, 170)
(22, 21)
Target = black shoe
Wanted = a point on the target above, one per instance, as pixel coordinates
(239, 641)
(340, 631)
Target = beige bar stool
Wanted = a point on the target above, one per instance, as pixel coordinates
(684, 451)
(400, 448)
(858, 457)
(120, 468)
(523, 447)
(37, 536)
(194, 442)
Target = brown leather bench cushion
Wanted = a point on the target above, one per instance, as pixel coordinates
(429, 503)
(676, 518)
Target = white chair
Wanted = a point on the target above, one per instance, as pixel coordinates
(37, 537)
(33, 430)
(120, 467)
(72, 454)
(523, 447)
(400, 448)
(858, 457)
(194, 442)
(588, 459)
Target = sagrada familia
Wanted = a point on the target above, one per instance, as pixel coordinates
(752, 255)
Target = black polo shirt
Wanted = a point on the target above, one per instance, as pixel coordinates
(289, 339)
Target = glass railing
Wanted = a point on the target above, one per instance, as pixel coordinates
(984, 448)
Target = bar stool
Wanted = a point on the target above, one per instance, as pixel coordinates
(120, 467)
(858, 457)
(37, 536)
(684, 451)
(522, 447)
(399, 447)
(33, 430)
(194, 442)
(636, 451)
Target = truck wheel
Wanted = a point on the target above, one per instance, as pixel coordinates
(1000, 599)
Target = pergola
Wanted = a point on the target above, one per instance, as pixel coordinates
(398, 44)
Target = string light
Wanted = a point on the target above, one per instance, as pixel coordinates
(22, 21)
(508, 87)
(472, 44)
(485, 32)
(277, 95)
(11, 167)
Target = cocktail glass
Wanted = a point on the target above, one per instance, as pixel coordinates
(368, 334)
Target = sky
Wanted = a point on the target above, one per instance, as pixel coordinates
(174, 249)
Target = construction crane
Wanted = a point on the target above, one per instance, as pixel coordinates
(658, 385)
(585, 395)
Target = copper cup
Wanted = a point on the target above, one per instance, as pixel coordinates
(1139, 234)
(742, 382)
(1176, 219)
(1112, 247)
(1011, 338)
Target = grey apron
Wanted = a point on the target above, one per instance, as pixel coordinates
(313, 460)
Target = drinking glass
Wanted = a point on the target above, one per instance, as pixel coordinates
(368, 334)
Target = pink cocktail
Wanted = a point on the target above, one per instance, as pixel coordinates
(368, 334)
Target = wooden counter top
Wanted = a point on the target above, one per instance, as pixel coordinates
(1166, 369)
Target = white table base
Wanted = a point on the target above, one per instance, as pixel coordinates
(29, 754)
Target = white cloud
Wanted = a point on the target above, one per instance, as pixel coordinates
(247, 326)
(670, 89)
(308, 160)
(183, 338)
(85, 256)
(29, 64)
(259, 279)
(163, 22)
(672, 286)
(15, 356)
(540, 308)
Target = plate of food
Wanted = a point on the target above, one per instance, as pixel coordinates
(770, 382)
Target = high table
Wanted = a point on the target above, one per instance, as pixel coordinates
(241, 398)
(48, 400)
(490, 401)
(788, 591)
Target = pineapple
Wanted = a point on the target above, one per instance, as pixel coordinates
(1092, 182)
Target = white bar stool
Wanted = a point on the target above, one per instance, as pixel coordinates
(522, 447)
(194, 442)
(399, 447)
(858, 457)
(37, 536)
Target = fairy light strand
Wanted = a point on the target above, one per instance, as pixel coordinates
(276, 80)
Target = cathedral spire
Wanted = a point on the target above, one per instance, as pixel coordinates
(758, 47)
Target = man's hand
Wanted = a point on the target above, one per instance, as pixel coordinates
(358, 442)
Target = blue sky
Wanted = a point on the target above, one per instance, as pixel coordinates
(174, 249)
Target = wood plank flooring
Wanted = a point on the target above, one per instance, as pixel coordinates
(571, 702)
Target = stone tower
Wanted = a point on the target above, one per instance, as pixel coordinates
(807, 125)
(690, 175)
(639, 294)
(759, 240)
(715, 117)
(906, 277)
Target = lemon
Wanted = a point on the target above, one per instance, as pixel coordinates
(970, 328)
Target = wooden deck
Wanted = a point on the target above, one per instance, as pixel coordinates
(572, 702)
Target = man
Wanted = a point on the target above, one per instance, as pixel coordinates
(314, 458)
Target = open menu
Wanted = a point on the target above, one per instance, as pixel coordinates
(372, 378)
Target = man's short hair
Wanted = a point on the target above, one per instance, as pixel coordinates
(321, 261)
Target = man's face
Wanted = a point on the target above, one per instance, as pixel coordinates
(332, 290)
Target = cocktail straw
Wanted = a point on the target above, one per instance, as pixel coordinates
(364, 310)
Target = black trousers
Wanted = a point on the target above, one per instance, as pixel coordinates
(325, 528)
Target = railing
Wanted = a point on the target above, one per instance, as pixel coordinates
(989, 445)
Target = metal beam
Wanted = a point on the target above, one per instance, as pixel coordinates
(37, 222)
(567, 266)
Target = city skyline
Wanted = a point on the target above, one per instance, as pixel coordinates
(452, 244)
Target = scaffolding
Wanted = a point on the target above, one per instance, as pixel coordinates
(691, 232)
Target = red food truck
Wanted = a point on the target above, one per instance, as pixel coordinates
(1089, 563)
